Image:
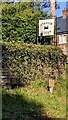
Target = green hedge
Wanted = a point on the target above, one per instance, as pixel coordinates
(28, 62)
(19, 22)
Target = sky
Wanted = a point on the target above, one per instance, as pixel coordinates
(58, 12)
(63, 5)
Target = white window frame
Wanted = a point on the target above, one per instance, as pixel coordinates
(62, 39)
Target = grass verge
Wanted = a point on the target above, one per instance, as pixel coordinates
(34, 102)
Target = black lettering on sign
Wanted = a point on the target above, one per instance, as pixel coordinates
(46, 27)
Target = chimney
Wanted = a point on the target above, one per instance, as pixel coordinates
(65, 12)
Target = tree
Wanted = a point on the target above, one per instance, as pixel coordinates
(45, 4)
(19, 22)
(38, 6)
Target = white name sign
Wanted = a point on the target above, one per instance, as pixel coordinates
(46, 27)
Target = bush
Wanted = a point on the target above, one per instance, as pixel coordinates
(19, 22)
(27, 62)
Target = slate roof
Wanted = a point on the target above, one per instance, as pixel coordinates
(62, 24)
(67, 4)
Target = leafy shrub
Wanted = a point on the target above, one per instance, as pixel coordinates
(19, 22)
(27, 62)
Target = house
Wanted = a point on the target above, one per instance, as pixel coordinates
(62, 31)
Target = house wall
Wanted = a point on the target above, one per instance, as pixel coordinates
(62, 42)
(64, 47)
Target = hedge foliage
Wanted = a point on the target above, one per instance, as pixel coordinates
(19, 22)
(27, 62)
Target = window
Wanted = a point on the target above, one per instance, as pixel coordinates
(62, 39)
(67, 38)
